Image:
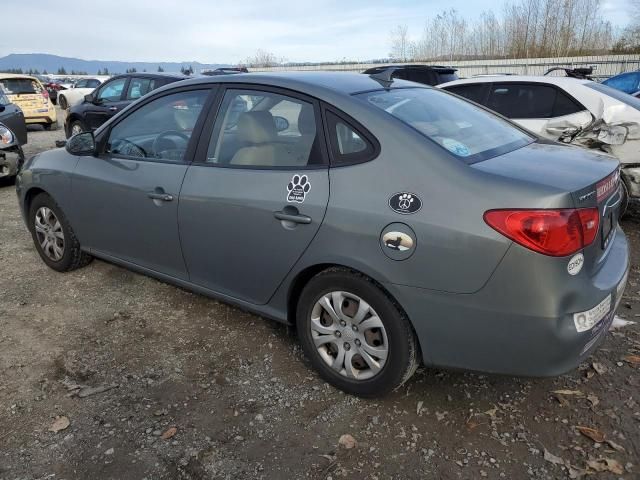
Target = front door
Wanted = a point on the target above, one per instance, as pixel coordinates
(108, 100)
(127, 198)
(257, 194)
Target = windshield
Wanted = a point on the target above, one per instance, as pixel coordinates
(469, 132)
(15, 86)
(617, 94)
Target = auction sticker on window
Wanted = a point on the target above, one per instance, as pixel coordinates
(456, 147)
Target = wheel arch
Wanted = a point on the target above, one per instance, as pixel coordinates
(29, 195)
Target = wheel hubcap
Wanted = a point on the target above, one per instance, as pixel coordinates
(49, 233)
(349, 335)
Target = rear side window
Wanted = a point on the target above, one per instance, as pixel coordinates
(14, 86)
(139, 87)
(475, 92)
(465, 130)
(349, 144)
(92, 83)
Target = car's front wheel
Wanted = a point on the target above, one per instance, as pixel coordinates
(53, 236)
(355, 335)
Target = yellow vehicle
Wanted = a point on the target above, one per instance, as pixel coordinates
(28, 93)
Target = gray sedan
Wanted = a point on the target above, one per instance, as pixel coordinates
(390, 222)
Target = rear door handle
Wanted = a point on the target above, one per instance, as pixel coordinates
(289, 217)
(165, 197)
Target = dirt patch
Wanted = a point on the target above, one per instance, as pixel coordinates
(244, 401)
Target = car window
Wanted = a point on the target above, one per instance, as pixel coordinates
(264, 129)
(3, 98)
(112, 91)
(81, 84)
(617, 94)
(139, 87)
(93, 83)
(474, 92)
(467, 131)
(565, 105)
(627, 82)
(161, 129)
(14, 86)
(522, 100)
(348, 144)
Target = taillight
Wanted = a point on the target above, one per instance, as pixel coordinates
(45, 94)
(557, 233)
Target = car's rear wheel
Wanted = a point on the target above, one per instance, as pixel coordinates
(355, 335)
(53, 236)
(50, 126)
(62, 101)
(76, 127)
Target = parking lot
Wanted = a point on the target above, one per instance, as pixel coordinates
(109, 374)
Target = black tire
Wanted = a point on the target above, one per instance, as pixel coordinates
(62, 102)
(73, 257)
(403, 350)
(624, 203)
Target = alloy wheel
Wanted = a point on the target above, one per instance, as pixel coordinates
(349, 335)
(49, 233)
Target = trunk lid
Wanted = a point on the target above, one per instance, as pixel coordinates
(590, 179)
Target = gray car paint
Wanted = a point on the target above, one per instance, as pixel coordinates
(475, 299)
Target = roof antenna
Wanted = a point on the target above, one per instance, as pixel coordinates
(384, 77)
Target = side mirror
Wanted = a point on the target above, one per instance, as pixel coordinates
(88, 98)
(8, 139)
(281, 123)
(2, 108)
(81, 144)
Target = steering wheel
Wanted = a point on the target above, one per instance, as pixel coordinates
(168, 133)
(128, 148)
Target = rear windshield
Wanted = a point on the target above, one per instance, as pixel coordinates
(617, 94)
(468, 132)
(14, 86)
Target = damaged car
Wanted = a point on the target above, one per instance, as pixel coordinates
(569, 110)
(391, 223)
(13, 134)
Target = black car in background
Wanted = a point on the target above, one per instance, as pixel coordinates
(112, 96)
(12, 118)
(426, 74)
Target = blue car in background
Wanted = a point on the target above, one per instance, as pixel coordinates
(627, 82)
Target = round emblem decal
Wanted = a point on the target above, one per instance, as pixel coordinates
(405, 203)
(575, 264)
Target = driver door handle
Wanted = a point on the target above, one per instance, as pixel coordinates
(165, 197)
(113, 109)
(296, 218)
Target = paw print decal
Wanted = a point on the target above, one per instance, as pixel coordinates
(405, 203)
(298, 188)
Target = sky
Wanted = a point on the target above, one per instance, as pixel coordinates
(227, 31)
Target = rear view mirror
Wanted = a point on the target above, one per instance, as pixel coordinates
(7, 138)
(281, 123)
(81, 144)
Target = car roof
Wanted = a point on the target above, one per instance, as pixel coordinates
(308, 81)
(559, 81)
(179, 76)
(17, 75)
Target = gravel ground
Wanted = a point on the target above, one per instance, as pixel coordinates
(108, 374)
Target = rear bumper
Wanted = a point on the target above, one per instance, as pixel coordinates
(517, 324)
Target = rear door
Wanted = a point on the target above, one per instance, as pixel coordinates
(127, 196)
(109, 99)
(257, 193)
(11, 116)
(541, 108)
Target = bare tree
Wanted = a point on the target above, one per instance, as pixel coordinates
(401, 45)
(262, 58)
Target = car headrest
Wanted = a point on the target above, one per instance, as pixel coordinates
(306, 121)
(256, 127)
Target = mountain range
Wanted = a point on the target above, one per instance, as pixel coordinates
(51, 63)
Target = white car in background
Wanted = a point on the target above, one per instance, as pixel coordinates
(76, 93)
(568, 110)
